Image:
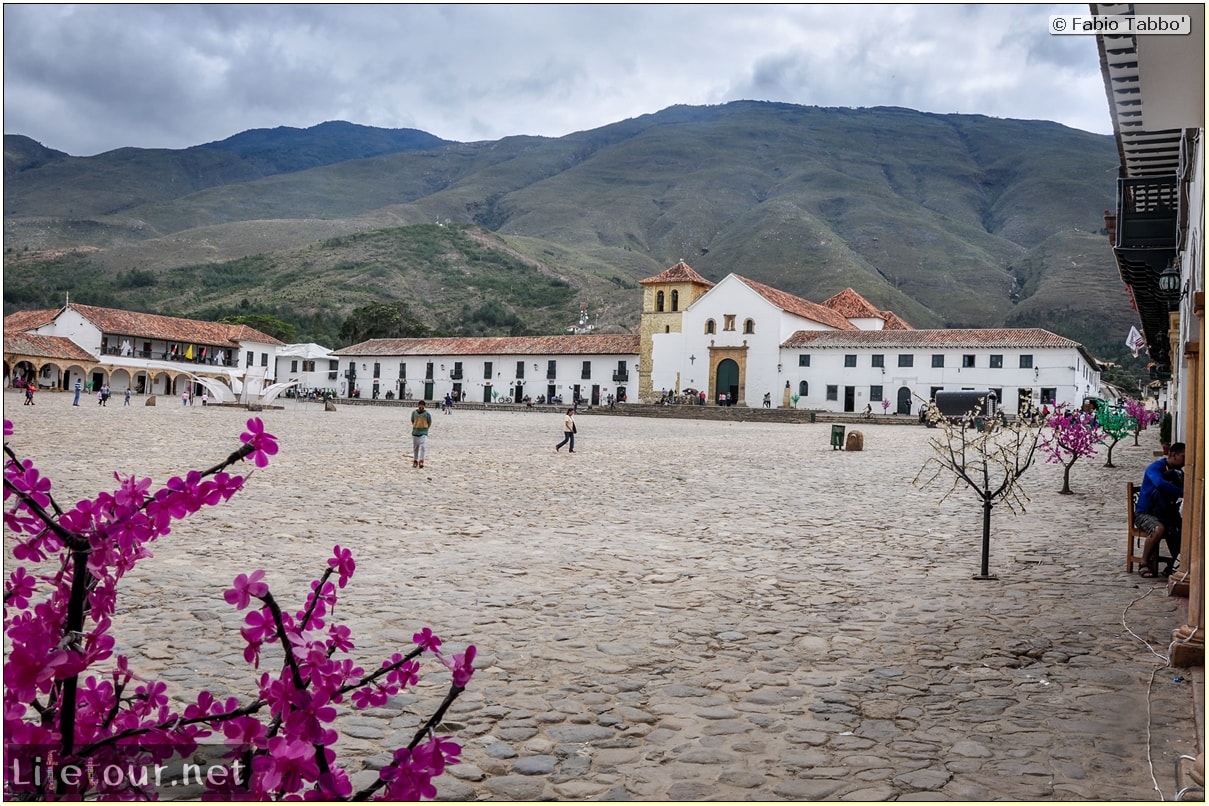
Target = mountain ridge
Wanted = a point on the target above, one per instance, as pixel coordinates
(948, 219)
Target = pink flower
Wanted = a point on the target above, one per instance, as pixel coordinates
(261, 626)
(370, 696)
(19, 588)
(340, 638)
(344, 563)
(265, 444)
(245, 587)
(245, 731)
(463, 667)
(407, 674)
(228, 485)
(427, 640)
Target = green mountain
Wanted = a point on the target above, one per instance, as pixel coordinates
(948, 220)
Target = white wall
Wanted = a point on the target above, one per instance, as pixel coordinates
(504, 378)
(1062, 370)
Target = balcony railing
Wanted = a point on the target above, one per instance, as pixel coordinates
(621, 377)
(1147, 212)
(456, 375)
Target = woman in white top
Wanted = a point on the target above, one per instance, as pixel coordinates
(568, 432)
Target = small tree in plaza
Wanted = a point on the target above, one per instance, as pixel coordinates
(990, 462)
(80, 723)
(1073, 434)
(1115, 425)
(1142, 417)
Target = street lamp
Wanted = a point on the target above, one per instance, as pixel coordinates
(1169, 280)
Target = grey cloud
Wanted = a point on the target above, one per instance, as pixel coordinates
(87, 78)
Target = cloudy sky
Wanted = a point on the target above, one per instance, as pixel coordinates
(89, 78)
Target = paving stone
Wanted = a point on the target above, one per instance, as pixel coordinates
(753, 669)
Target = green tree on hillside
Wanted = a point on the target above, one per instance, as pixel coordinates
(266, 324)
(382, 320)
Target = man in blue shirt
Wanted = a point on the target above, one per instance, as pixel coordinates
(1157, 510)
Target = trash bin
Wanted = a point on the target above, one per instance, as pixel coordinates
(855, 441)
(812, 418)
(837, 437)
(980, 424)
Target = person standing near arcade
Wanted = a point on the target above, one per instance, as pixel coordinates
(421, 421)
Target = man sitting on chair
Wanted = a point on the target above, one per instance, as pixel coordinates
(1158, 511)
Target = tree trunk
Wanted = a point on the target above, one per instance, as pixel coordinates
(1066, 480)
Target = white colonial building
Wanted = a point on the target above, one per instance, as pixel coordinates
(490, 369)
(738, 338)
(143, 352)
(894, 371)
(746, 340)
(310, 367)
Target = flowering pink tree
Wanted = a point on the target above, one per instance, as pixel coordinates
(74, 712)
(885, 405)
(1142, 416)
(1074, 433)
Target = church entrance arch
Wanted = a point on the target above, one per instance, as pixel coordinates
(904, 400)
(727, 380)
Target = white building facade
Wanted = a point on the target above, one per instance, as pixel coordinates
(146, 353)
(895, 371)
(491, 369)
(311, 367)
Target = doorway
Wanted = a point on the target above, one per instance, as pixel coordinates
(727, 380)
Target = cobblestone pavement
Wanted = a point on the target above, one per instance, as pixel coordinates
(680, 610)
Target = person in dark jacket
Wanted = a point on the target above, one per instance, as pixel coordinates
(1157, 510)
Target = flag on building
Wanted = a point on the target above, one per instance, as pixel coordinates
(1135, 341)
(189, 353)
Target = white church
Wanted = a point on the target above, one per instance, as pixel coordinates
(746, 340)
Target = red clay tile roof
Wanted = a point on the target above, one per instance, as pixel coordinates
(169, 328)
(1009, 338)
(798, 306)
(852, 305)
(894, 322)
(29, 320)
(31, 344)
(606, 344)
(680, 273)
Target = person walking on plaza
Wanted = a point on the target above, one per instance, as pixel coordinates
(30, 388)
(105, 395)
(568, 432)
(421, 421)
(127, 403)
(79, 386)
